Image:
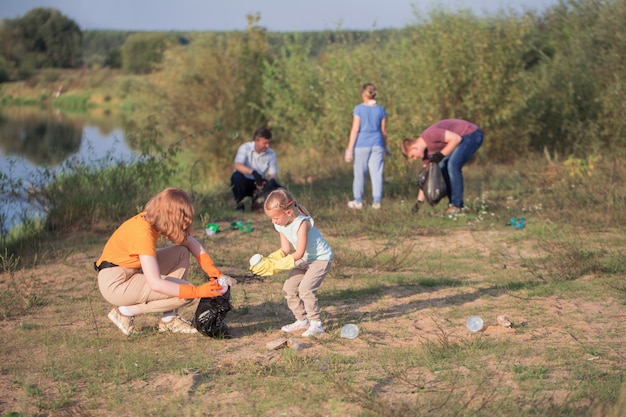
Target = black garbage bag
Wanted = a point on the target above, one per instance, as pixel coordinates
(435, 185)
(421, 178)
(210, 314)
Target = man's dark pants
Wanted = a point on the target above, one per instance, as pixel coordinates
(244, 187)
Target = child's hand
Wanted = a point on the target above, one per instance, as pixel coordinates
(263, 268)
(279, 254)
(283, 264)
(269, 266)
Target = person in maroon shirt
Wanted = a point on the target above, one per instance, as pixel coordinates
(451, 143)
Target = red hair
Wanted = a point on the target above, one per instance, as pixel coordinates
(171, 213)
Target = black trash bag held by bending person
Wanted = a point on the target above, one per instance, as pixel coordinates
(435, 185)
(210, 314)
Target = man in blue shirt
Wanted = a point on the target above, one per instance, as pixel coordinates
(256, 171)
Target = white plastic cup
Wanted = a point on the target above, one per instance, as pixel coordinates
(474, 324)
(255, 259)
(224, 284)
(349, 331)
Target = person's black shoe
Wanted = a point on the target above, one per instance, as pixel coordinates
(240, 207)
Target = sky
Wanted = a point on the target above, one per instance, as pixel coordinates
(276, 15)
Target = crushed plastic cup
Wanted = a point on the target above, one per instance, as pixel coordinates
(349, 331)
(474, 324)
(223, 281)
(255, 259)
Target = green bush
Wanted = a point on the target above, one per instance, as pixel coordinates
(142, 51)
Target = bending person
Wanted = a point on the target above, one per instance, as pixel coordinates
(451, 143)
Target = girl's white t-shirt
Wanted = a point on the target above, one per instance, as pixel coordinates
(316, 246)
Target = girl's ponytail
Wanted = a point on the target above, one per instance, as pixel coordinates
(282, 199)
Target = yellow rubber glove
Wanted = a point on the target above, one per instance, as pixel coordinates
(269, 266)
(263, 268)
(284, 264)
(279, 254)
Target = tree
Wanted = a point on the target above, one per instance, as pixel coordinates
(142, 51)
(42, 38)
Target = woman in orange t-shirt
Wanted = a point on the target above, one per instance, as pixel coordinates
(137, 278)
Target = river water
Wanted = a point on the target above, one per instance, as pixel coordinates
(33, 142)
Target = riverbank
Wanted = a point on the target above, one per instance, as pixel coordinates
(77, 91)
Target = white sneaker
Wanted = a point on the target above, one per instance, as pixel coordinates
(124, 323)
(376, 206)
(355, 205)
(296, 325)
(314, 329)
(177, 325)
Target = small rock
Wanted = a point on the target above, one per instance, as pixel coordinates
(504, 321)
(276, 344)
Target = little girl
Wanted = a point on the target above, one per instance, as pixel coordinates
(309, 263)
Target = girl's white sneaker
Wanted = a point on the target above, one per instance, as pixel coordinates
(296, 325)
(314, 329)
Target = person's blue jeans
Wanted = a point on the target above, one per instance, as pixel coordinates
(452, 165)
(372, 159)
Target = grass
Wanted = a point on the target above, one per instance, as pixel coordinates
(408, 281)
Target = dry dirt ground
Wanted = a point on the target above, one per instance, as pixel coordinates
(401, 317)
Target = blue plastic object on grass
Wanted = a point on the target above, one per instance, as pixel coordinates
(517, 223)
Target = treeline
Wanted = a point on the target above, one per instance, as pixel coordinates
(548, 82)
(45, 38)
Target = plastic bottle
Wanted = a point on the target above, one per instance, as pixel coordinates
(474, 324)
(255, 259)
(349, 331)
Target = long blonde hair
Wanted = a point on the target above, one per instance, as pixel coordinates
(283, 200)
(171, 213)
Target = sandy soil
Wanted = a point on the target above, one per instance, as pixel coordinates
(403, 316)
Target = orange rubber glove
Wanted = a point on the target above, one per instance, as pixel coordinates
(209, 289)
(208, 266)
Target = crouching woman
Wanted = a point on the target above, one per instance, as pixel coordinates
(137, 278)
